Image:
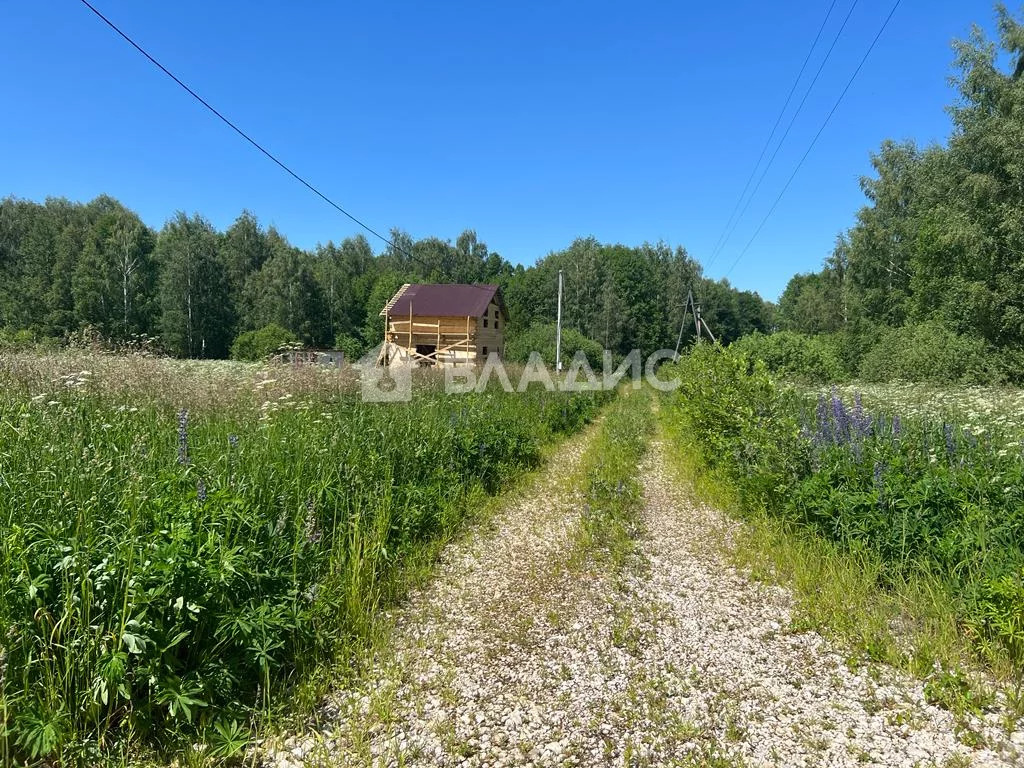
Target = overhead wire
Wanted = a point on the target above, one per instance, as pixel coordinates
(771, 135)
(789, 127)
(814, 141)
(266, 152)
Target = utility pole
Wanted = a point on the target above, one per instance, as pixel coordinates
(692, 308)
(558, 328)
(682, 323)
(702, 322)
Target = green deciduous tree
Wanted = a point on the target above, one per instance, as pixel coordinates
(195, 319)
(285, 291)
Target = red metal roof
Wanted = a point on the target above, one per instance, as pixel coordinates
(447, 300)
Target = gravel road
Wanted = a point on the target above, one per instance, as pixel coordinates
(524, 651)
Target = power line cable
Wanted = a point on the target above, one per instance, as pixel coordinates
(828, 117)
(768, 141)
(785, 134)
(253, 142)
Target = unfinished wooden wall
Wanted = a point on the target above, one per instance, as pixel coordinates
(449, 335)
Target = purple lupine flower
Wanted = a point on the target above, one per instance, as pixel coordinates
(897, 426)
(862, 421)
(824, 425)
(201, 490)
(233, 441)
(859, 417)
(841, 419)
(947, 431)
(183, 437)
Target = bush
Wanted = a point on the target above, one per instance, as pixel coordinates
(12, 340)
(1011, 365)
(741, 420)
(852, 343)
(259, 345)
(793, 355)
(930, 352)
(352, 347)
(541, 339)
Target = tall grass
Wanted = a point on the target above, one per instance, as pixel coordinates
(181, 545)
(613, 492)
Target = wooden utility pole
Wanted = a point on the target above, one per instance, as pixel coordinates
(558, 327)
(692, 308)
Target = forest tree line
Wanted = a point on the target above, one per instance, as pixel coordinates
(66, 266)
(936, 257)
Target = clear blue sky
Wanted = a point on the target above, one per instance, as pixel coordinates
(532, 123)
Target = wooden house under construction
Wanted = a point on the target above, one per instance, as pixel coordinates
(446, 324)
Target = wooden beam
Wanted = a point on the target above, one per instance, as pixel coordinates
(457, 344)
(431, 326)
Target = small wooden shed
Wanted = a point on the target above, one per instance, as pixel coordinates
(443, 324)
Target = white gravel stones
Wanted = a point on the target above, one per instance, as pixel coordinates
(770, 696)
(520, 652)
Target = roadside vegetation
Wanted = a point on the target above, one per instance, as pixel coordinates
(184, 543)
(612, 502)
(899, 530)
(926, 352)
(541, 338)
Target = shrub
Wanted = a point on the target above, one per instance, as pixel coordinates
(258, 345)
(793, 355)
(1011, 364)
(12, 340)
(852, 343)
(541, 339)
(930, 352)
(732, 407)
(352, 347)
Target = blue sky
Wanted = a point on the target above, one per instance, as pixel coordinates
(533, 123)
